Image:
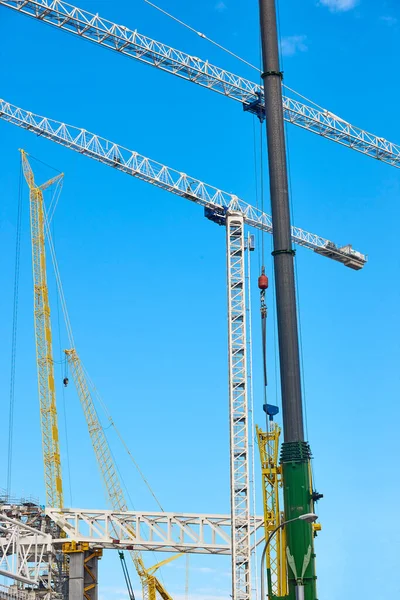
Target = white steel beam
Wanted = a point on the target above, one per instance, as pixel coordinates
(173, 181)
(161, 532)
(130, 43)
(23, 550)
(238, 408)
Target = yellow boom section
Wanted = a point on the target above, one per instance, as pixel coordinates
(268, 444)
(152, 587)
(43, 339)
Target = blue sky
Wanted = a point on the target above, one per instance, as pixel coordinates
(144, 272)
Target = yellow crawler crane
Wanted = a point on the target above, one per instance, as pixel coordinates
(43, 339)
(268, 444)
(151, 586)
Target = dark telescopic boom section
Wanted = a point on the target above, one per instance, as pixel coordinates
(283, 252)
(295, 452)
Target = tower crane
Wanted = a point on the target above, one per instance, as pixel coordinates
(43, 339)
(223, 208)
(135, 45)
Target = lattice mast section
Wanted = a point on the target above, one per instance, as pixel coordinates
(268, 444)
(238, 408)
(150, 584)
(43, 341)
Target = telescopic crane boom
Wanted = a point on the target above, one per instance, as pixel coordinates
(43, 340)
(130, 43)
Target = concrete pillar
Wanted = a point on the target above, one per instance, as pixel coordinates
(76, 576)
(83, 575)
(90, 577)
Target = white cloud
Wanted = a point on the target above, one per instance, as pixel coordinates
(391, 21)
(292, 44)
(221, 7)
(339, 5)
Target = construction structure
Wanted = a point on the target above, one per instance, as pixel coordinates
(228, 210)
(234, 213)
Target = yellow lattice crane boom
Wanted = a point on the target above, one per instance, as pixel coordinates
(268, 444)
(152, 587)
(43, 339)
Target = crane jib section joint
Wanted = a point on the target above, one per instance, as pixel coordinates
(290, 251)
(269, 73)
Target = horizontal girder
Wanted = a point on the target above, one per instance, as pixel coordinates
(156, 531)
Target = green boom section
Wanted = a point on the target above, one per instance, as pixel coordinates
(298, 500)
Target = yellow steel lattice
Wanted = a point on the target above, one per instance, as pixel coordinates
(151, 587)
(43, 340)
(268, 443)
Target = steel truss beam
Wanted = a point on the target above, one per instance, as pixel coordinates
(251, 95)
(173, 181)
(161, 532)
(23, 550)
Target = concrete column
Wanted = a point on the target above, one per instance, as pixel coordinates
(90, 577)
(76, 576)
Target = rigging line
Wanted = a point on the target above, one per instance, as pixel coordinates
(131, 503)
(256, 181)
(303, 383)
(14, 333)
(72, 344)
(202, 35)
(43, 163)
(61, 362)
(117, 431)
(237, 56)
(292, 214)
(54, 201)
(59, 282)
(252, 423)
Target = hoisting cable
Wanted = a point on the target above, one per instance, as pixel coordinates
(14, 334)
(263, 286)
(72, 345)
(64, 363)
(253, 437)
(125, 571)
(117, 431)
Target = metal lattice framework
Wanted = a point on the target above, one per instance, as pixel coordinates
(43, 339)
(238, 408)
(23, 550)
(108, 470)
(268, 444)
(155, 531)
(140, 47)
(180, 184)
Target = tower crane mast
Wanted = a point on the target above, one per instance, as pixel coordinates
(135, 45)
(43, 339)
